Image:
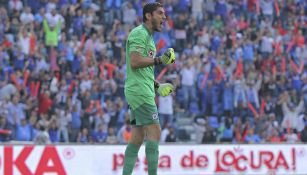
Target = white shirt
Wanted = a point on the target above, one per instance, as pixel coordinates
(291, 138)
(26, 18)
(15, 5)
(188, 76)
(53, 20)
(266, 7)
(50, 6)
(209, 6)
(42, 65)
(85, 85)
(64, 119)
(197, 6)
(54, 85)
(129, 16)
(204, 39)
(24, 43)
(291, 118)
(166, 105)
(266, 44)
(199, 49)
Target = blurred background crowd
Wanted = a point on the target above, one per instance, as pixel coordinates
(240, 73)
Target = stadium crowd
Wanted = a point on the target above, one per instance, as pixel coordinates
(240, 72)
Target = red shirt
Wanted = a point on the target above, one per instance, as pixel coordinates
(275, 139)
(251, 5)
(44, 104)
(300, 41)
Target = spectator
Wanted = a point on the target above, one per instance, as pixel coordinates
(51, 32)
(197, 7)
(100, 135)
(251, 137)
(16, 111)
(129, 14)
(188, 74)
(53, 132)
(209, 137)
(274, 137)
(165, 110)
(42, 137)
(64, 118)
(291, 137)
(6, 130)
(171, 137)
(111, 139)
(15, 5)
(53, 18)
(83, 136)
(291, 113)
(26, 16)
(227, 131)
(23, 131)
(75, 123)
(200, 128)
(124, 134)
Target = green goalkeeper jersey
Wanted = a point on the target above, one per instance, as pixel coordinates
(139, 84)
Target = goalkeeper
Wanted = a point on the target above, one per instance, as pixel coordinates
(140, 87)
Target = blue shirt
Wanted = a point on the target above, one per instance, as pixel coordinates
(38, 18)
(53, 134)
(252, 138)
(75, 120)
(100, 136)
(248, 52)
(296, 83)
(250, 95)
(220, 9)
(215, 43)
(17, 110)
(23, 133)
(76, 65)
(228, 133)
(113, 3)
(228, 98)
(83, 139)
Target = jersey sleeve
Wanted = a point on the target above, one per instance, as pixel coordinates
(136, 42)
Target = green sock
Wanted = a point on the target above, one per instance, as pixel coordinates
(152, 156)
(131, 154)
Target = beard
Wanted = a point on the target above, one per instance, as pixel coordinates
(155, 25)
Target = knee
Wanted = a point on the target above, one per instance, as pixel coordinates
(153, 132)
(137, 142)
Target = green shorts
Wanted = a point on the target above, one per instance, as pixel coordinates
(143, 110)
(145, 114)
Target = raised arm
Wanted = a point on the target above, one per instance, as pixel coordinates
(45, 25)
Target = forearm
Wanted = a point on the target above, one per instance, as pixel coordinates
(142, 63)
(137, 61)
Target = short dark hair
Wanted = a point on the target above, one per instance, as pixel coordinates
(150, 8)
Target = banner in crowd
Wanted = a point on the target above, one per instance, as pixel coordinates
(173, 160)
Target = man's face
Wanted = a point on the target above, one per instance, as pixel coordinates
(157, 19)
